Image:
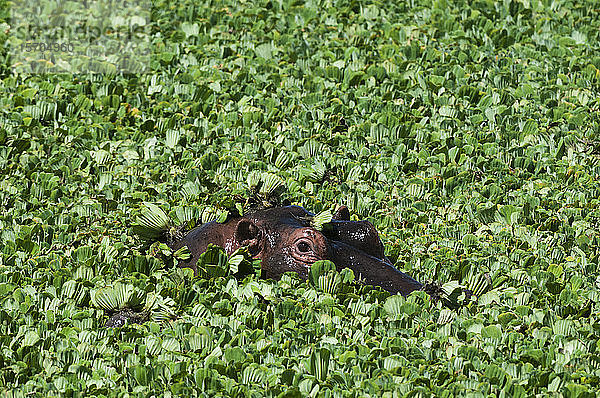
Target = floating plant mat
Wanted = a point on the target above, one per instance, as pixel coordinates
(466, 132)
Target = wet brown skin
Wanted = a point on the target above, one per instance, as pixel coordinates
(285, 241)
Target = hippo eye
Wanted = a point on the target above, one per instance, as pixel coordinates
(303, 247)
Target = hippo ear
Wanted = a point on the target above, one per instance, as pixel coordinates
(342, 214)
(248, 234)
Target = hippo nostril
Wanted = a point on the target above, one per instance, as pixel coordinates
(303, 247)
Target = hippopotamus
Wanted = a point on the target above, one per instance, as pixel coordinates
(284, 239)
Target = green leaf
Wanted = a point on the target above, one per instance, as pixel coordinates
(117, 297)
(172, 138)
(491, 332)
(270, 183)
(265, 50)
(319, 363)
(253, 374)
(318, 269)
(394, 305)
(190, 29)
(235, 354)
(183, 254)
(152, 222)
(321, 219)
(31, 338)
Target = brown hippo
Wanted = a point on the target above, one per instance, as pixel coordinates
(283, 238)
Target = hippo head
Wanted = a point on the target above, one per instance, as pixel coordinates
(285, 241)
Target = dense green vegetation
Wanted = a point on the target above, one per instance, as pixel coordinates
(467, 132)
